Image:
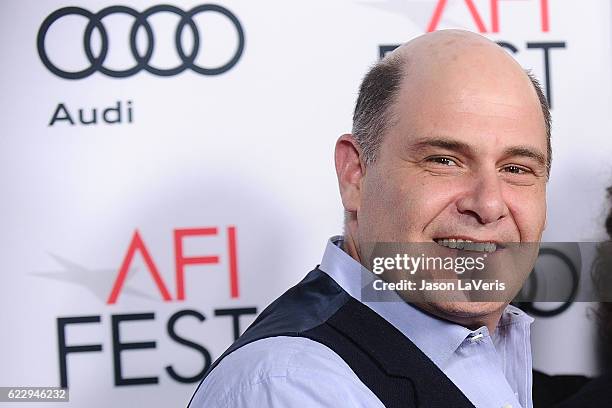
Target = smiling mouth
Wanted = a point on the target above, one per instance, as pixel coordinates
(467, 245)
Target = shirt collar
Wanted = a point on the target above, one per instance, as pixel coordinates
(435, 337)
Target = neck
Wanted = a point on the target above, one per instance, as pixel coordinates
(472, 315)
(350, 244)
(489, 320)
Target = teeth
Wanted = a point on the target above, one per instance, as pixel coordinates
(467, 245)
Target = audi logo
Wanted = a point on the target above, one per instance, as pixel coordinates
(142, 61)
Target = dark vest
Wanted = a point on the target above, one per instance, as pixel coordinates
(385, 360)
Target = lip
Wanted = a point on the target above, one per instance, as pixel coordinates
(498, 244)
(468, 238)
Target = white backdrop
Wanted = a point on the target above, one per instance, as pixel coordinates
(249, 151)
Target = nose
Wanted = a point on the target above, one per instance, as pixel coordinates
(484, 199)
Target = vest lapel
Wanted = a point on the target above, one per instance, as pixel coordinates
(397, 355)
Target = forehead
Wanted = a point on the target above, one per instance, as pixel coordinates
(484, 107)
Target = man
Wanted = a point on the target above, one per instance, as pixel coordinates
(450, 143)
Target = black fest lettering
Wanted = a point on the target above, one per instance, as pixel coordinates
(116, 322)
(67, 348)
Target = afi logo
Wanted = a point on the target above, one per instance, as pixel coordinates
(441, 5)
(137, 244)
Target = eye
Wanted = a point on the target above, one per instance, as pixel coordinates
(445, 161)
(514, 169)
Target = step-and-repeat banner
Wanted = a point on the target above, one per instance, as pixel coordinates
(167, 171)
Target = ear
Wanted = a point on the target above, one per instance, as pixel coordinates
(350, 171)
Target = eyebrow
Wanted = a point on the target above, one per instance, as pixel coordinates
(462, 147)
(528, 152)
(448, 144)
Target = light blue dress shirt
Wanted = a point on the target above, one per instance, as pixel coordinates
(492, 371)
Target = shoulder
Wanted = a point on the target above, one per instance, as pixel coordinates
(283, 371)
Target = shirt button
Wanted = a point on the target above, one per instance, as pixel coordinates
(476, 338)
(507, 406)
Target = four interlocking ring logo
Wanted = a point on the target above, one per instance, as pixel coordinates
(142, 61)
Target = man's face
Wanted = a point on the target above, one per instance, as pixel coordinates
(464, 159)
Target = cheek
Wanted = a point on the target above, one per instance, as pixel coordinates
(528, 209)
(399, 207)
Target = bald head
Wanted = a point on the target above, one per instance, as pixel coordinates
(439, 68)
